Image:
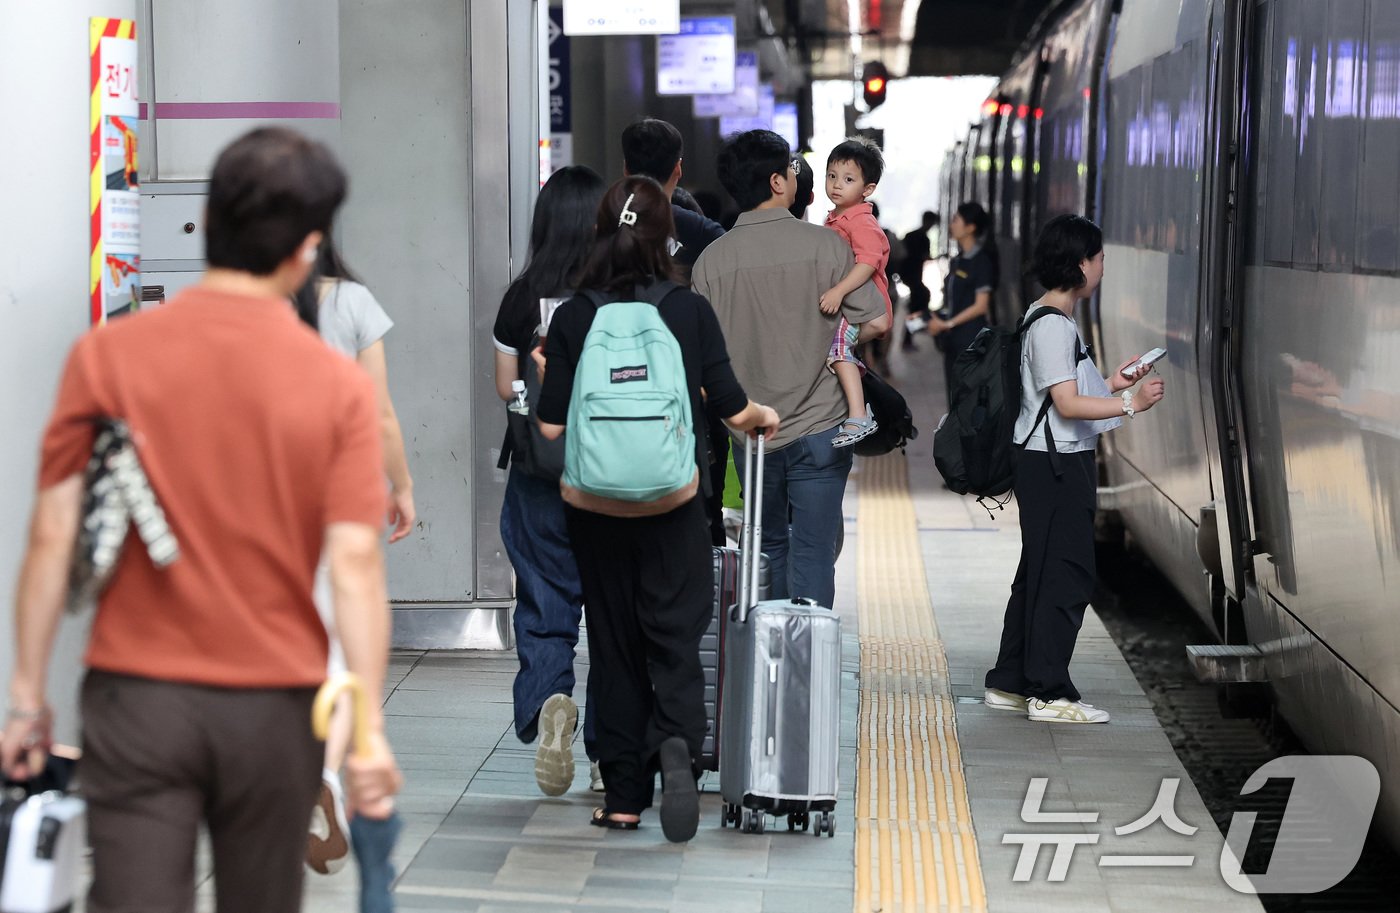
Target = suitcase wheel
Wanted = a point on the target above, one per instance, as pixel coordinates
(729, 814)
(798, 820)
(826, 824)
(752, 822)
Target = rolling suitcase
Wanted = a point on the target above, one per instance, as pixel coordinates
(780, 718)
(712, 644)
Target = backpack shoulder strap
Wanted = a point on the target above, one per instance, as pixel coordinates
(657, 291)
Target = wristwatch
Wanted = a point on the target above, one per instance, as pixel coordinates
(1128, 409)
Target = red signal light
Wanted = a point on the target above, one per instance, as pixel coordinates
(1039, 113)
(1023, 110)
(875, 84)
(1005, 110)
(989, 107)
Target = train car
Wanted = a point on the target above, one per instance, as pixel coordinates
(1240, 156)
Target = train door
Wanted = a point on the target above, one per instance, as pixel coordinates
(1226, 526)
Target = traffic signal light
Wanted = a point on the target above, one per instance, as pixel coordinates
(877, 81)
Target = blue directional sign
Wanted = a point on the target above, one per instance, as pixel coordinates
(699, 59)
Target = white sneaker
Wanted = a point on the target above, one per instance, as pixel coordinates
(1064, 710)
(554, 757)
(328, 840)
(595, 778)
(1004, 700)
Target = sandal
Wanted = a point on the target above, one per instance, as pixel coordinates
(860, 429)
(604, 818)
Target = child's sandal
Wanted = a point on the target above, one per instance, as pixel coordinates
(860, 429)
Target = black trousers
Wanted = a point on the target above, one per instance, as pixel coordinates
(719, 453)
(648, 594)
(1055, 578)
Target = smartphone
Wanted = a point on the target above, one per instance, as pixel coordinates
(1146, 361)
(915, 324)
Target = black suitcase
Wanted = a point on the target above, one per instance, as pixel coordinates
(726, 562)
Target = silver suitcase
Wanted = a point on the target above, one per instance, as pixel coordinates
(780, 718)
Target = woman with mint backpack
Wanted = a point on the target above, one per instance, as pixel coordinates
(636, 521)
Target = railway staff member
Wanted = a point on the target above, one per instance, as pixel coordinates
(1056, 482)
(967, 293)
(263, 447)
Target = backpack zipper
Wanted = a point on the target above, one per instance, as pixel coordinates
(629, 418)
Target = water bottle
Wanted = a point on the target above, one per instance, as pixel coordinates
(520, 406)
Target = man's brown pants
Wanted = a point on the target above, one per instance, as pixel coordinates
(160, 757)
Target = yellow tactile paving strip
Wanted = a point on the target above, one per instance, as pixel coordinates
(915, 847)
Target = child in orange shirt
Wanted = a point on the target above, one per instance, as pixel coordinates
(852, 172)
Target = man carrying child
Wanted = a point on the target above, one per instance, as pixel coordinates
(764, 280)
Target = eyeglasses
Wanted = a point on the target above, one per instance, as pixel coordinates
(796, 165)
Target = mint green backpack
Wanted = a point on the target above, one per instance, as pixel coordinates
(630, 449)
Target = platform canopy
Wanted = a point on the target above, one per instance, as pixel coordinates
(911, 37)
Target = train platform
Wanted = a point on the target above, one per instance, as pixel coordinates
(935, 813)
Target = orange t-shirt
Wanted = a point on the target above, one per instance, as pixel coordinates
(255, 435)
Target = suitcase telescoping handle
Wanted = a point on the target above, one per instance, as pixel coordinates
(750, 536)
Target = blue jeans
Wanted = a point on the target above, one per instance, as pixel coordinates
(803, 485)
(548, 598)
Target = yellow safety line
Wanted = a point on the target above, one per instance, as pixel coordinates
(915, 847)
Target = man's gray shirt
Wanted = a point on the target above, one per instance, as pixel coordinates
(764, 279)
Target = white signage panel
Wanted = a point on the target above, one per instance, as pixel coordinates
(743, 101)
(761, 121)
(785, 122)
(622, 17)
(699, 60)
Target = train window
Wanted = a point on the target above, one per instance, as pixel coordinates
(1281, 134)
(1339, 132)
(1312, 88)
(1118, 178)
(1378, 196)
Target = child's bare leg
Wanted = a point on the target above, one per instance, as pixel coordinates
(338, 736)
(849, 377)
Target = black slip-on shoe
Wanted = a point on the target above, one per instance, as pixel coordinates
(680, 802)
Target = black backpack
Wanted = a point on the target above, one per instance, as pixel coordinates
(896, 422)
(974, 447)
(533, 452)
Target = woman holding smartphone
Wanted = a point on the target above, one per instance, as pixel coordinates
(1065, 406)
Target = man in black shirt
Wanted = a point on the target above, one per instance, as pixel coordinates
(654, 148)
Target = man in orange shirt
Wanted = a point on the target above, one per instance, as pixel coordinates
(262, 445)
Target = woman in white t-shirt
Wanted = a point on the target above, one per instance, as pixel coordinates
(351, 321)
(1065, 406)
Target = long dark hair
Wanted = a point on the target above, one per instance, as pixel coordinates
(561, 233)
(631, 250)
(329, 265)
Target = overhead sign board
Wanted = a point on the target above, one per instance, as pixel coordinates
(622, 17)
(697, 60)
(761, 121)
(785, 122)
(743, 101)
